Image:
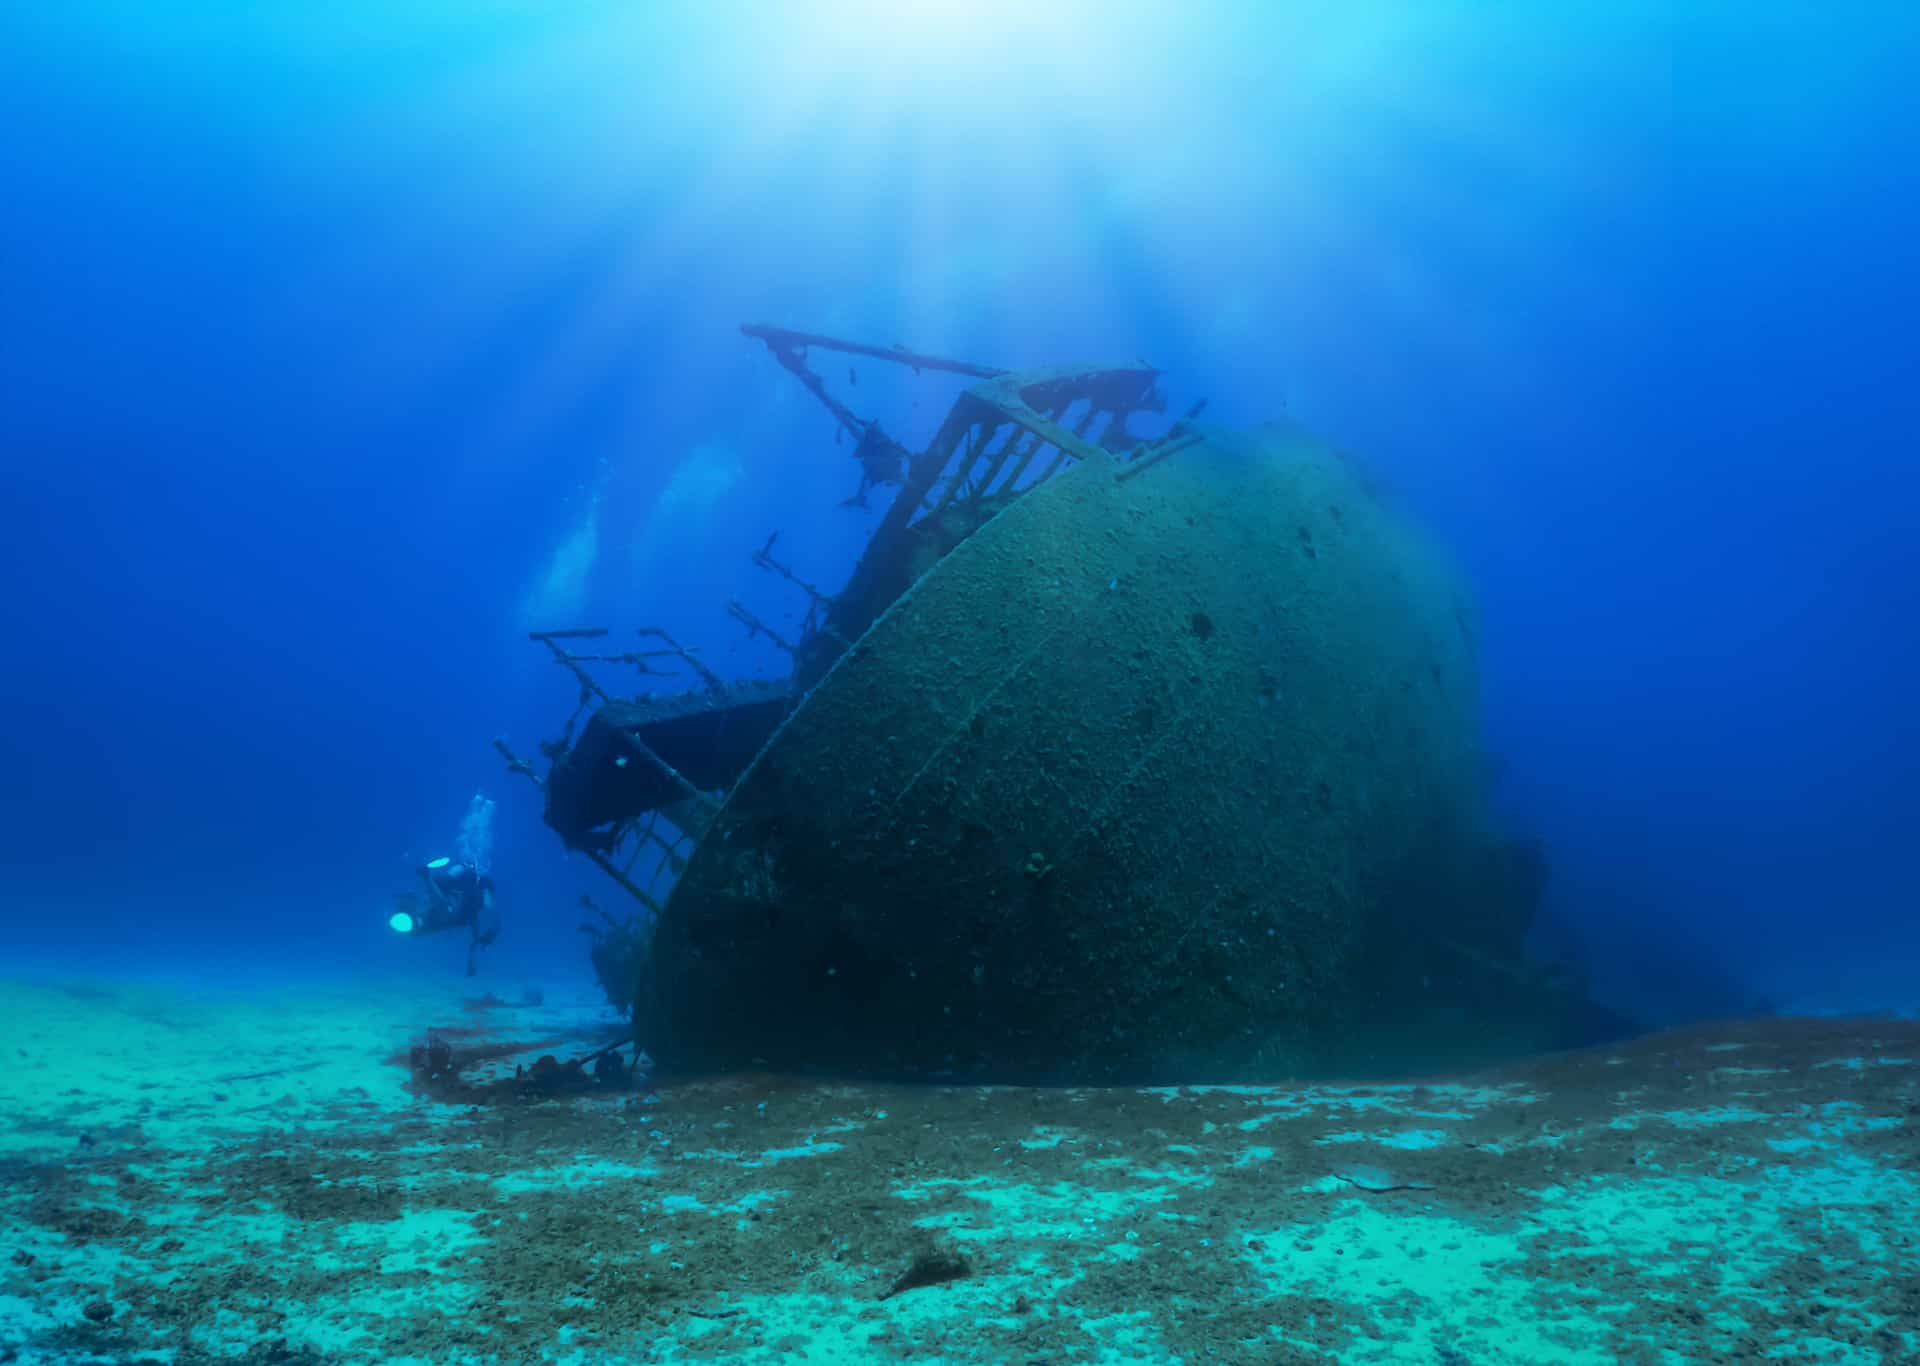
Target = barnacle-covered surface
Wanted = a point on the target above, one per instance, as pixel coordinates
(1114, 758)
(1174, 776)
(192, 1176)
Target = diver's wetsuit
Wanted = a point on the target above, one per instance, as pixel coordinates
(458, 895)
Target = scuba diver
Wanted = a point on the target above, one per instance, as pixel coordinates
(458, 894)
(459, 891)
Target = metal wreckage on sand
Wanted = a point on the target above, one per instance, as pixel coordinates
(1114, 759)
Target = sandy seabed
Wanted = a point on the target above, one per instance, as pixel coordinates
(192, 1175)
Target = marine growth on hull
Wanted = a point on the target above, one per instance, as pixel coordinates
(1115, 758)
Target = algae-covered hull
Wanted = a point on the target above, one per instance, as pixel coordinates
(1114, 758)
(1165, 771)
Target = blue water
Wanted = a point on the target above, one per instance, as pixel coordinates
(341, 344)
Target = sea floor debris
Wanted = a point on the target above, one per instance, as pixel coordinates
(1736, 1192)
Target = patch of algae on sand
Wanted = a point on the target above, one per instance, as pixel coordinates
(1667, 1203)
(1425, 1282)
(1745, 1240)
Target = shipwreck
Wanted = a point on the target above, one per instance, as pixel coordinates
(1130, 749)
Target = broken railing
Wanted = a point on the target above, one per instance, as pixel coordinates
(1006, 434)
(643, 833)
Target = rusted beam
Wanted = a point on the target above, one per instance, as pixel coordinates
(646, 752)
(755, 627)
(1159, 451)
(515, 764)
(792, 362)
(1032, 448)
(763, 558)
(779, 338)
(1017, 410)
(715, 684)
(551, 639)
(627, 884)
(1116, 388)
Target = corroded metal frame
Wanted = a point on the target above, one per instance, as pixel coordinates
(1005, 434)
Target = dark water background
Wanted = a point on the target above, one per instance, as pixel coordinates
(342, 343)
